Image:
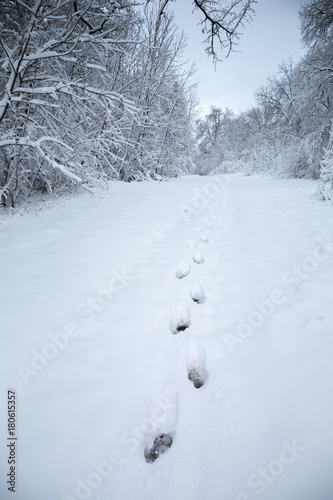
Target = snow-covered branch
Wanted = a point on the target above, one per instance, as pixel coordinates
(37, 145)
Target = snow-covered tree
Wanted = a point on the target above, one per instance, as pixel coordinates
(94, 90)
(55, 95)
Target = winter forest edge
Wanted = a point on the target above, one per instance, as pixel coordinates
(99, 91)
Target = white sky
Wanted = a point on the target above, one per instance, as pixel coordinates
(273, 36)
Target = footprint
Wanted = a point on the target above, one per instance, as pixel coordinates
(204, 238)
(198, 257)
(184, 269)
(161, 444)
(163, 417)
(209, 225)
(198, 229)
(194, 377)
(180, 320)
(196, 363)
(197, 293)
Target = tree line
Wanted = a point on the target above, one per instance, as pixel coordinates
(289, 131)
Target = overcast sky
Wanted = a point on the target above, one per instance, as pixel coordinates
(272, 37)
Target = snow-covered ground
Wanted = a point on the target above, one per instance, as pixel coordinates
(114, 309)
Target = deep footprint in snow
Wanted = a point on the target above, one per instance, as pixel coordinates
(180, 327)
(196, 363)
(161, 444)
(180, 320)
(184, 269)
(209, 225)
(198, 257)
(204, 238)
(195, 378)
(158, 438)
(197, 293)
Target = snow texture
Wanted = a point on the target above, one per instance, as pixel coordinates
(87, 286)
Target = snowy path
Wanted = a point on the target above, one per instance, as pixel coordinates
(108, 304)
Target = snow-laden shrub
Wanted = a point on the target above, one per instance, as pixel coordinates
(299, 159)
(288, 157)
(231, 164)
